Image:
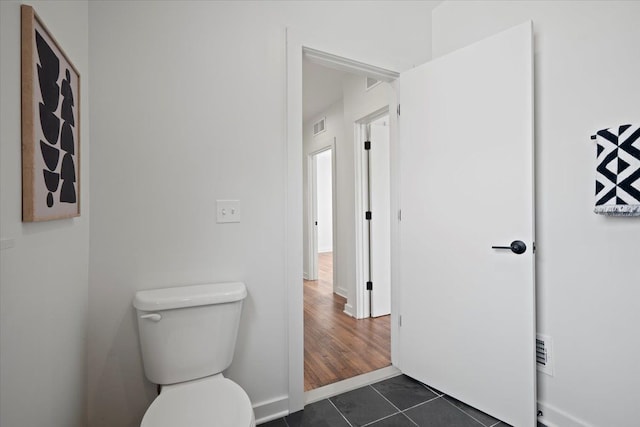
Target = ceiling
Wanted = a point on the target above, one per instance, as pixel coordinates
(321, 87)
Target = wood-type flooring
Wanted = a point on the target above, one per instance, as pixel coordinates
(336, 345)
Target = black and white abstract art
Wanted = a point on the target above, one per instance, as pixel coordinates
(618, 171)
(50, 133)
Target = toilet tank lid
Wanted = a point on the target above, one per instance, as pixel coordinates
(189, 296)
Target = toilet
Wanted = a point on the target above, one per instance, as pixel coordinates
(187, 337)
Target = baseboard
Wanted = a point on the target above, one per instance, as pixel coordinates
(348, 309)
(554, 417)
(324, 251)
(340, 291)
(271, 409)
(349, 384)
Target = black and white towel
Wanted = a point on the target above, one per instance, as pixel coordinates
(618, 171)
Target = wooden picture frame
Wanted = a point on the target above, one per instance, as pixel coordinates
(50, 125)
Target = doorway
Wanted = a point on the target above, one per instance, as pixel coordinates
(341, 340)
(298, 53)
(438, 237)
(320, 217)
(324, 206)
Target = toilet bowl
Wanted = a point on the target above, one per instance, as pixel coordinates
(213, 401)
(187, 338)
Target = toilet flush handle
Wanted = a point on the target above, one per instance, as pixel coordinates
(152, 316)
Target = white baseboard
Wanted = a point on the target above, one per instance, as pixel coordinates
(348, 309)
(554, 417)
(349, 384)
(271, 409)
(340, 291)
(324, 250)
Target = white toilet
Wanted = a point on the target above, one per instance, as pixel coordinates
(188, 335)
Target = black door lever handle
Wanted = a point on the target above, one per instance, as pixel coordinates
(517, 247)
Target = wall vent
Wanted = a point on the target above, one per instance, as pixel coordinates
(319, 126)
(544, 360)
(371, 82)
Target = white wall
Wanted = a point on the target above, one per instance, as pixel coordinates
(586, 78)
(334, 125)
(44, 277)
(325, 202)
(188, 106)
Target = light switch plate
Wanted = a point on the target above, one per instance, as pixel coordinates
(227, 211)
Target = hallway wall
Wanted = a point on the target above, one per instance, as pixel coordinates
(334, 126)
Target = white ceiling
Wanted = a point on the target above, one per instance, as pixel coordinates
(321, 87)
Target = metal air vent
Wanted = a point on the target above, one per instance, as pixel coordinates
(544, 361)
(319, 126)
(371, 82)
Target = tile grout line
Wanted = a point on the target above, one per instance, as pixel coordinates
(374, 389)
(494, 425)
(386, 416)
(383, 418)
(341, 414)
(464, 412)
(286, 423)
(437, 393)
(410, 420)
(421, 403)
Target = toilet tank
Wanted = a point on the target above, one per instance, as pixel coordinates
(188, 332)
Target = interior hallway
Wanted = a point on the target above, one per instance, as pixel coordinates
(337, 346)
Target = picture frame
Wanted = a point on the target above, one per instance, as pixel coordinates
(50, 86)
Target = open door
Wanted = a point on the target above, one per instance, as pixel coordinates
(467, 308)
(380, 223)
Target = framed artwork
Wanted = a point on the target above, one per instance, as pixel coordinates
(50, 125)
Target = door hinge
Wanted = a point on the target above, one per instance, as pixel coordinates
(399, 214)
(369, 286)
(398, 109)
(367, 215)
(367, 145)
(400, 320)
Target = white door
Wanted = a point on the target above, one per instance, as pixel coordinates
(468, 311)
(380, 240)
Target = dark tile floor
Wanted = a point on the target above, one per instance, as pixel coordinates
(396, 402)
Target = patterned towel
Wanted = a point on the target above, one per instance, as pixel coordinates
(618, 171)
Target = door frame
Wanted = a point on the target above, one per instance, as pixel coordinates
(312, 202)
(362, 309)
(297, 45)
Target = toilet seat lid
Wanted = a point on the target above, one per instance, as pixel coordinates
(214, 401)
